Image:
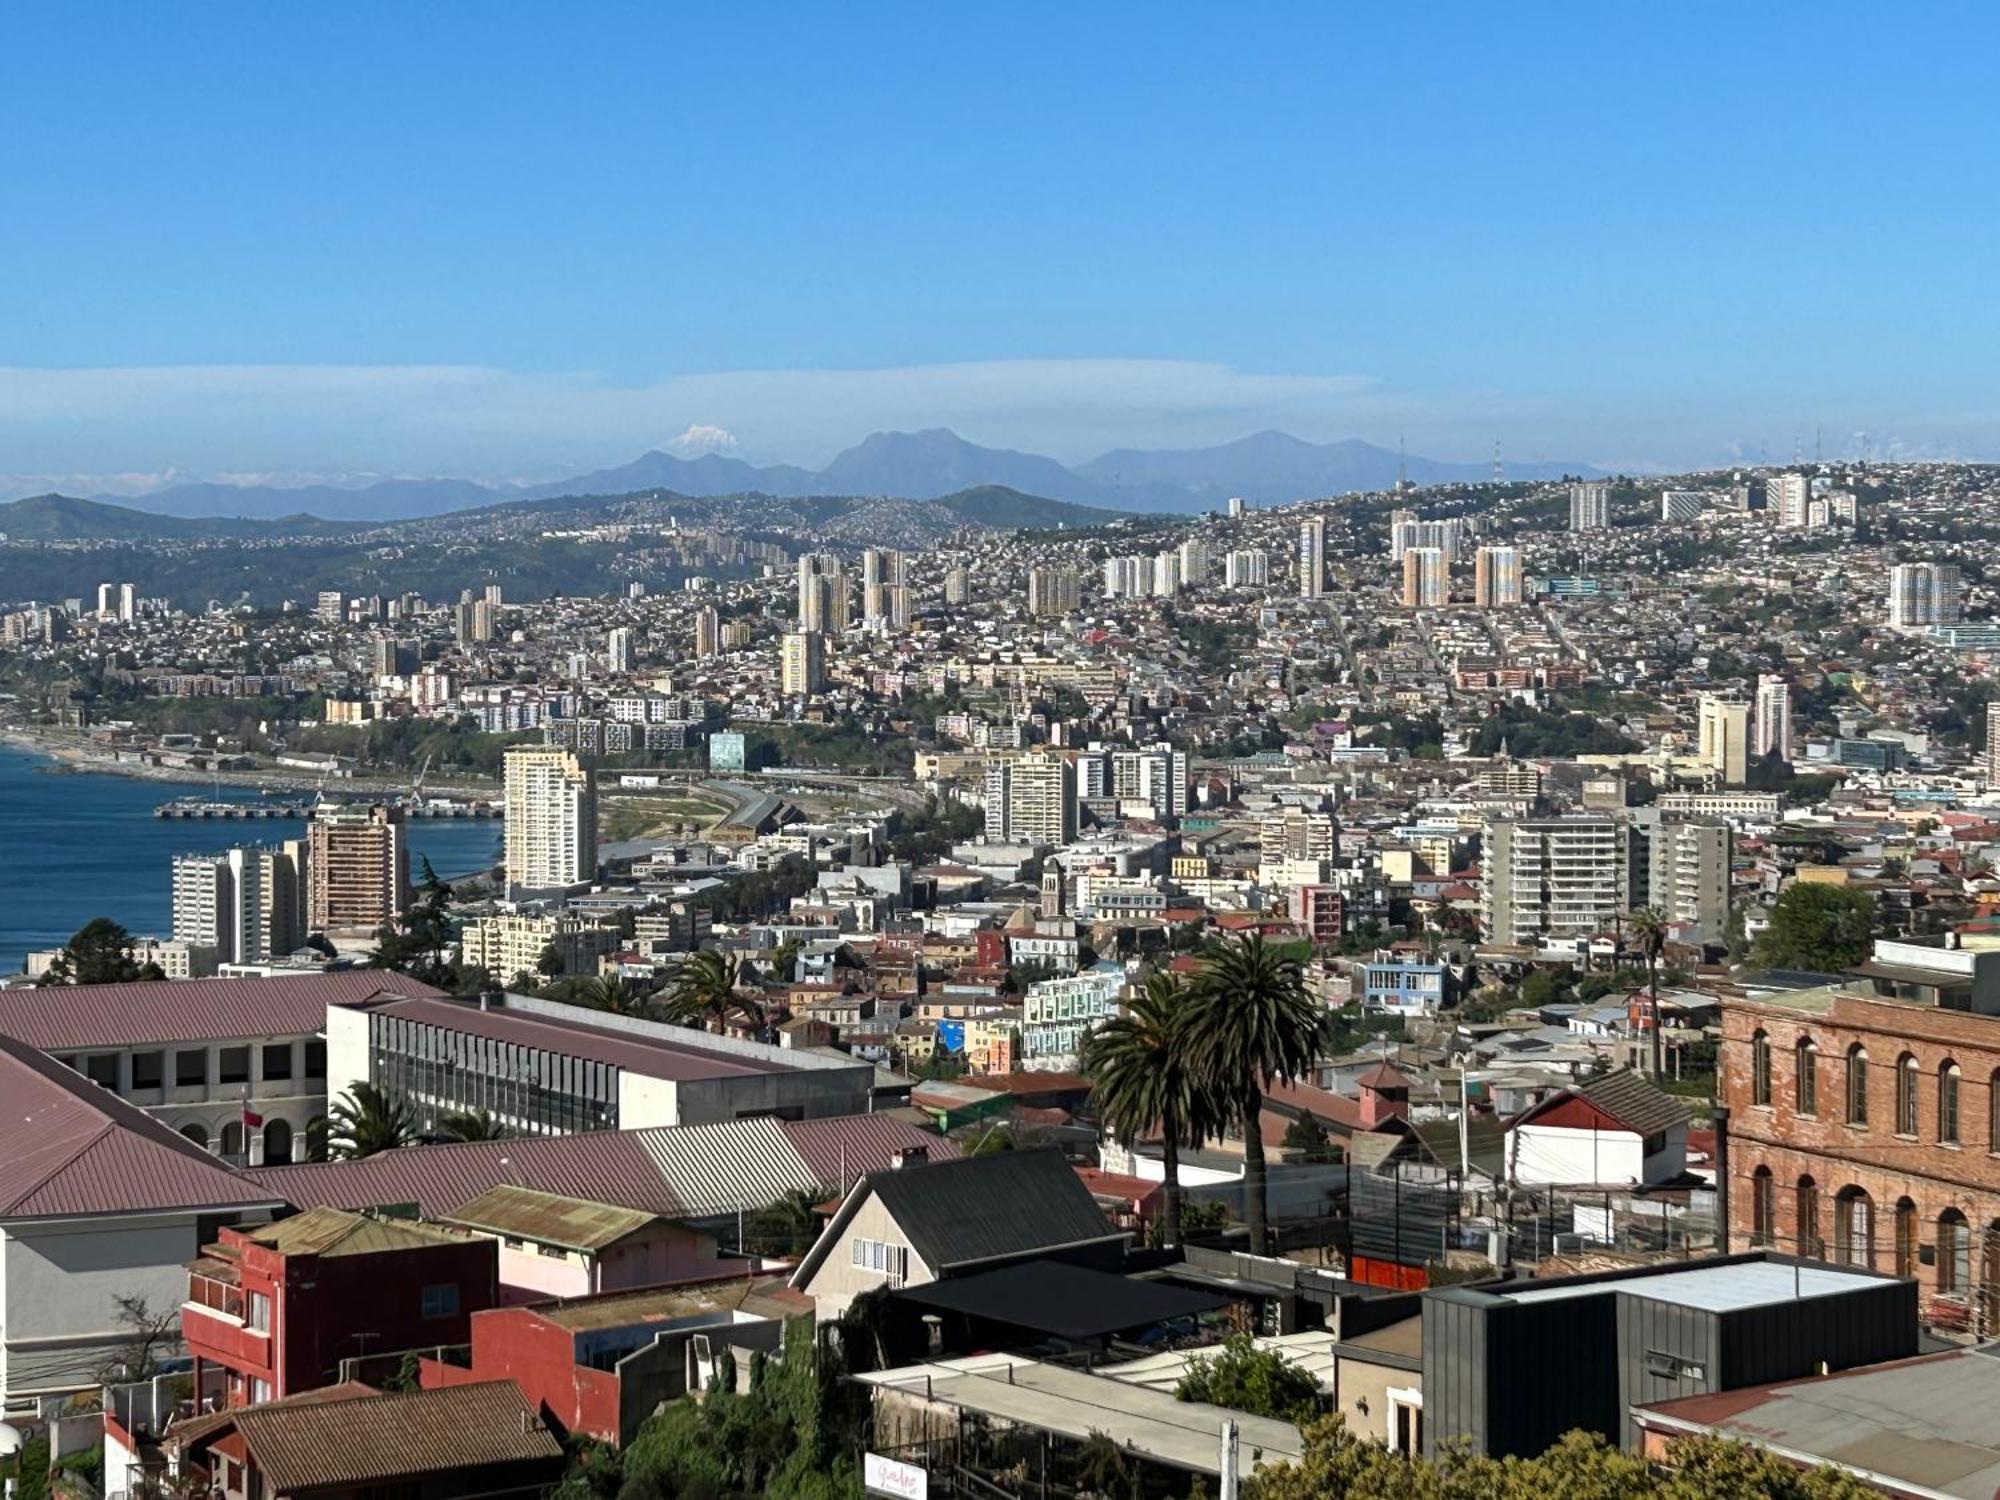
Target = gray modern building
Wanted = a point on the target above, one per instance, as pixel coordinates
(1509, 1367)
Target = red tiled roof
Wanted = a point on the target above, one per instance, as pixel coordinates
(63, 1018)
(68, 1148)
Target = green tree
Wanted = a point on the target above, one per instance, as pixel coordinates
(1826, 928)
(705, 990)
(99, 952)
(1142, 1081)
(1252, 1022)
(472, 1125)
(1243, 1377)
(615, 994)
(368, 1119)
(1649, 927)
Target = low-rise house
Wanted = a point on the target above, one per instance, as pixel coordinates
(1615, 1129)
(280, 1306)
(598, 1367)
(920, 1222)
(467, 1442)
(552, 1245)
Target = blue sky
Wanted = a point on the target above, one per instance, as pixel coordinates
(515, 240)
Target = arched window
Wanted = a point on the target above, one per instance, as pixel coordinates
(1857, 1085)
(316, 1133)
(231, 1144)
(1805, 1093)
(1763, 1208)
(1810, 1243)
(277, 1143)
(1854, 1228)
(1760, 1068)
(1954, 1252)
(1906, 1095)
(1948, 1102)
(197, 1132)
(1906, 1238)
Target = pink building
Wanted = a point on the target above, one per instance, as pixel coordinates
(553, 1246)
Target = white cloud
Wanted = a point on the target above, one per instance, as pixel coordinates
(703, 437)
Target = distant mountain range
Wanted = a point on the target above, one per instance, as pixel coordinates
(864, 521)
(1266, 468)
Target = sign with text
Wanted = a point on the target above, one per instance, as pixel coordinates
(885, 1476)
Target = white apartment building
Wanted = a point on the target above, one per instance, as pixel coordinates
(248, 904)
(1552, 878)
(1922, 595)
(1312, 557)
(1590, 506)
(551, 830)
(1772, 732)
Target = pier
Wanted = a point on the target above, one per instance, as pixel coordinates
(301, 807)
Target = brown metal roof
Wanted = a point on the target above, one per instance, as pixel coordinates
(549, 1218)
(69, 1018)
(333, 1232)
(403, 1435)
(70, 1148)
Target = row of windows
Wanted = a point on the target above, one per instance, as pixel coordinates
(191, 1066)
(1854, 1233)
(1854, 1104)
(879, 1255)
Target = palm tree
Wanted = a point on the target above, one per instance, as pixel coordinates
(703, 992)
(616, 995)
(1251, 1021)
(1649, 926)
(368, 1119)
(472, 1125)
(1141, 1081)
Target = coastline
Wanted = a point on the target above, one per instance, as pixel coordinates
(70, 754)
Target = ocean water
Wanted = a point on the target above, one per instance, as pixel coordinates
(77, 845)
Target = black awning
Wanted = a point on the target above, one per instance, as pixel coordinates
(1059, 1300)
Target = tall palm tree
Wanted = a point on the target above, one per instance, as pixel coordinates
(1252, 1021)
(1141, 1081)
(1649, 926)
(704, 991)
(368, 1119)
(616, 995)
(472, 1125)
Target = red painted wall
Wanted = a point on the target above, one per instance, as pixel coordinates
(519, 1344)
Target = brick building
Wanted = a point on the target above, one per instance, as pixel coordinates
(1864, 1123)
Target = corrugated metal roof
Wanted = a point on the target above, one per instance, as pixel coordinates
(843, 1148)
(604, 1166)
(983, 1208)
(550, 1218)
(1634, 1102)
(68, 1147)
(400, 1435)
(334, 1232)
(735, 1164)
(67, 1018)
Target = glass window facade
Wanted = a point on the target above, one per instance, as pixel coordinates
(527, 1089)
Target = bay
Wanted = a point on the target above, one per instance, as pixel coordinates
(78, 844)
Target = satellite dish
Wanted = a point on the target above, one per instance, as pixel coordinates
(10, 1440)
